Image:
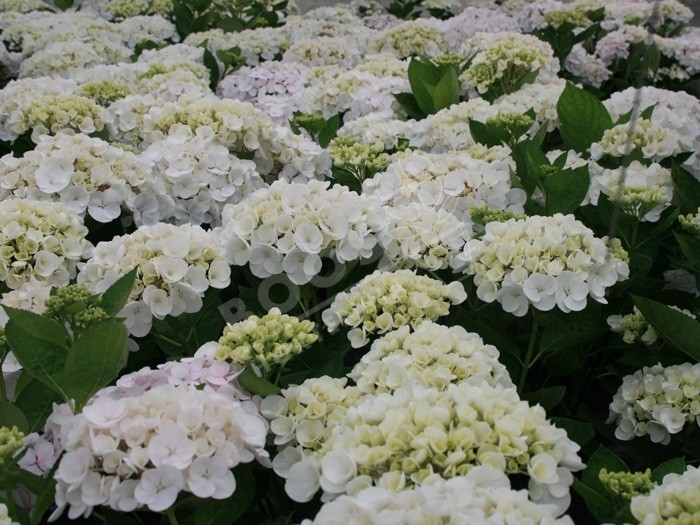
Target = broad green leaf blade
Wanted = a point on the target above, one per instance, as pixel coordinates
(36, 401)
(95, 360)
(547, 398)
(447, 90)
(680, 330)
(42, 359)
(410, 106)
(583, 118)
(601, 458)
(212, 512)
(482, 134)
(256, 385)
(690, 246)
(687, 189)
(12, 416)
(672, 466)
(597, 503)
(422, 77)
(566, 189)
(116, 296)
(213, 66)
(38, 326)
(329, 131)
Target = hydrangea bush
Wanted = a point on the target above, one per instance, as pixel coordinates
(418, 261)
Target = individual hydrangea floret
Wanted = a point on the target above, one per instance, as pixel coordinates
(41, 241)
(175, 266)
(657, 401)
(484, 495)
(545, 262)
(675, 500)
(386, 301)
(432, 354)
(287, 228)
(265, 342)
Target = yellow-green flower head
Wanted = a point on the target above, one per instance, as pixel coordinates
(10, 442)
(105, 92)
(691, 223)
(627, 484)
(267, 341)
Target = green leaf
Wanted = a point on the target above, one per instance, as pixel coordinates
(579, 431)
(345, 178)
(423, 76)
(572, 329)
(687, 189)
(672, 466)
(566, 189)
(63, 4)
(116, 296)
(42, 359)
(547, 398)
(212, 512)
(38, 326)
(601, 458)
(11, 416)
(690, 246)
(482, 134)
(95, 360)
(213, 66)
(45, 498)
(680, 330)
(447, 90)
(410, 105)
(36, 401)
(583, 118)
(256, 385)
(329, 131)
(597, 503)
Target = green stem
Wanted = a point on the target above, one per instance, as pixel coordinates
(528, 355)
(172, 519)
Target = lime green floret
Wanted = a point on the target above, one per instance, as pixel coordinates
(557, 18)
(484, 215)
(10, 443)
(627, 485)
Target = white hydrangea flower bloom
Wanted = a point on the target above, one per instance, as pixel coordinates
(175, 266)
(386, 301)
(676, 499)
(657, 401)
(543, 262)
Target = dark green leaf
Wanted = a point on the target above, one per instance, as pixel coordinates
(345, 178)
(63, 4)
(690, 246)
(116, 296)
(687, 189)
(566, 189)
(583, 118)
(601, 458)
(482, 134)
(95, 360)
(410, 106)
(38, 326)
(423, 76)
(212, 512)
(447, 90)
(257, 385)
(547, 398)
(579, 431)
(11, 416)
(36, 401)
(42, 359)
(45, 499)
(680, 330)
(213, 66)
(597, 503)
(672, 466)
(329, 131)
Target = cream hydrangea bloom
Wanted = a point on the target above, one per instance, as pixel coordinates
(676, 500)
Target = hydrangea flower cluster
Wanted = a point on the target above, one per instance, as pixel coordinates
(505, 58)
(175, 266)
(657, 401)
(50, 114)
(386, 301)
(691, 222)
(199, 174)
(655, 142)
(324, 51)
(268, 78)
(454, 182)
(545, 262)
(675, 500)
(142, 451)
(483, 495)
(265, 342)
(418, 37)
(644, 192)
(40, 240)
(422, 236)
(627, 484)
(288, 227)
(85, 174)
(399, 439)
(432, 354)
(633, 326)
